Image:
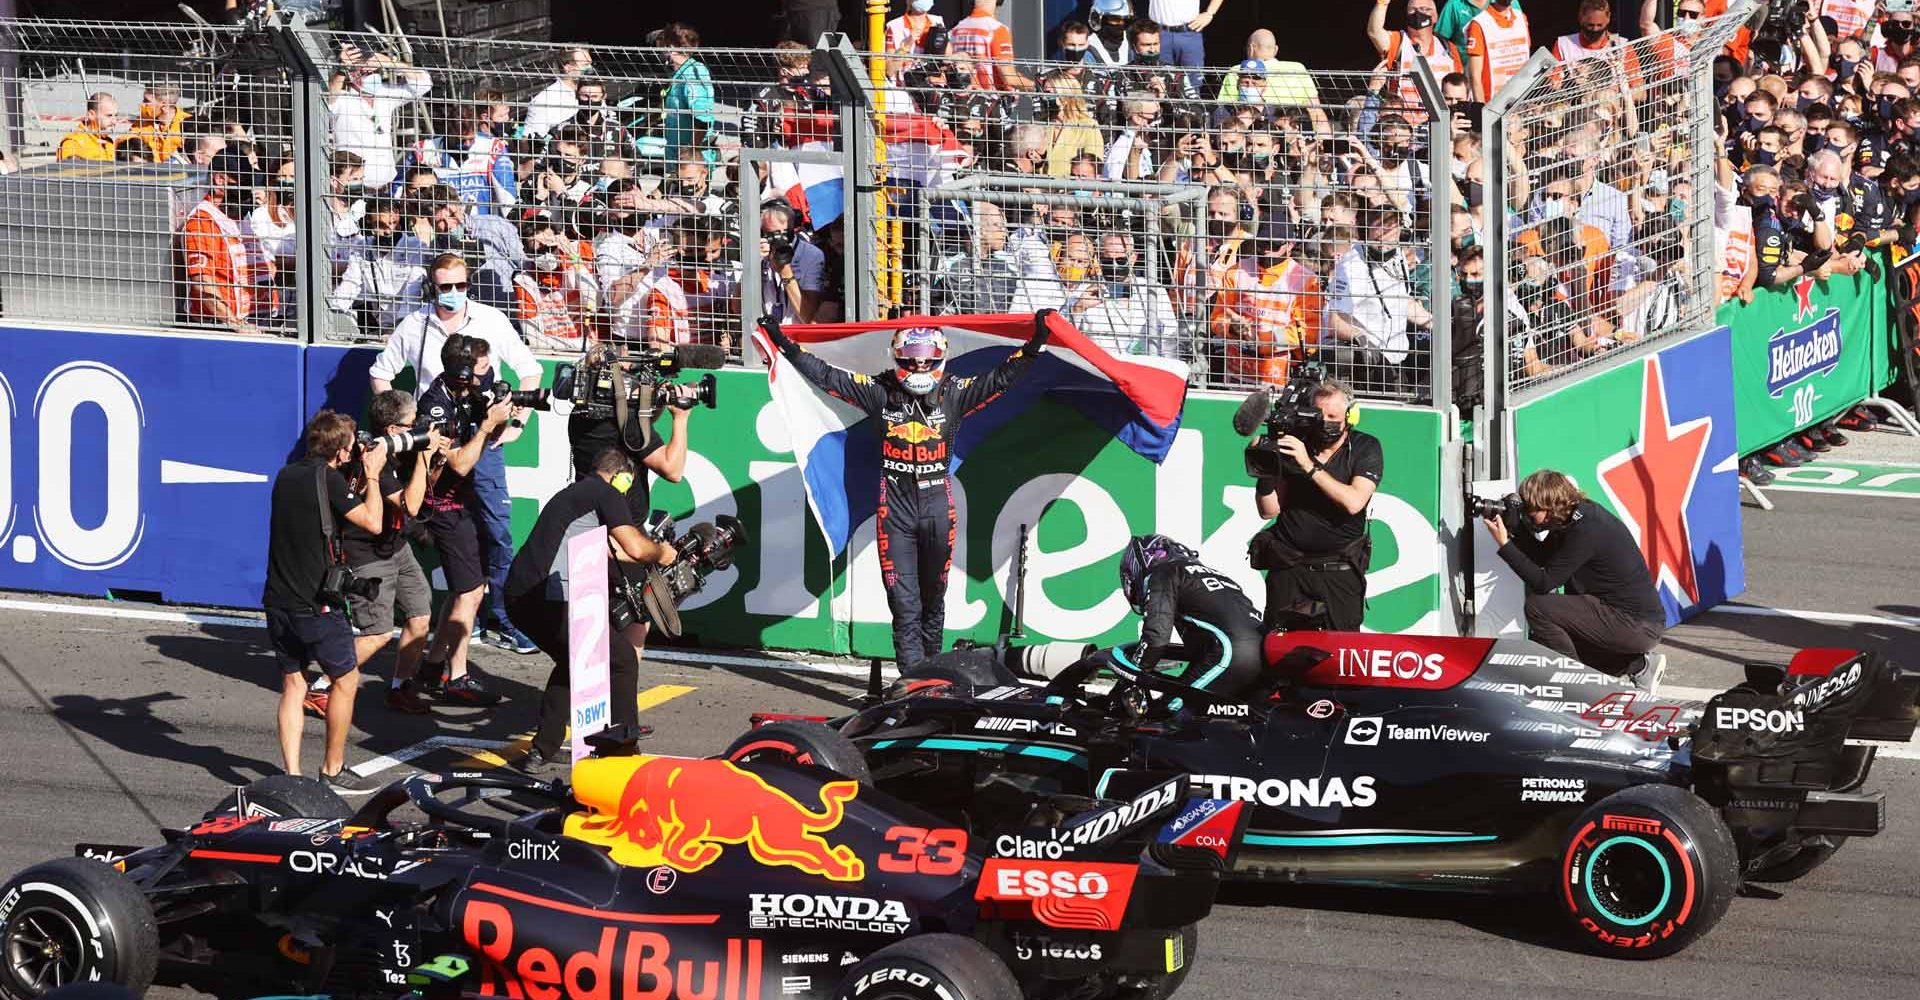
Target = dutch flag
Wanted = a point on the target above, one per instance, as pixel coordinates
(1137, 399)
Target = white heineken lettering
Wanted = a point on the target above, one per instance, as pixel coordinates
(1390, 664)
(823, 912)
(1759, 720)
(1304, 793)
(1788, 360)
(1553, 789)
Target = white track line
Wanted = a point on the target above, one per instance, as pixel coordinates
(134, 614)
(368, 768)
(1900, 621)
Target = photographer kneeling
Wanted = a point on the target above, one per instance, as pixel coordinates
(1317, 548)
(537, 595)
(1610, 617)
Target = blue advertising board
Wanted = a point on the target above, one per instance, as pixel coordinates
(136, 462)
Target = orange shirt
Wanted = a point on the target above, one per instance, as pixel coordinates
(85, 144)
(218, 264)
(1404, 53)
(981, 37)
(1278, 311)
(1503, 44)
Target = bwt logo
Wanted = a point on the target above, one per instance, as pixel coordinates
(1810, 350)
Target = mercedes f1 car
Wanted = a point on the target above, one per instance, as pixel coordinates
(1421, 763)
(647, 877)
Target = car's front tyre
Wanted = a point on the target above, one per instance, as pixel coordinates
(931, 967)
(74, 920)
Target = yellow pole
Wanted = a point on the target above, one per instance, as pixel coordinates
(886, 281)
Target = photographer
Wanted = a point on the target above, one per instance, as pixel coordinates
(306, 617)
(384, 559)
(537, 595)
(1610, 617)
(462, 402)
(1317, 547)
(792, 264)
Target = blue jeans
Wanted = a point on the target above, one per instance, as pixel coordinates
(495, 515)
(1183, 48)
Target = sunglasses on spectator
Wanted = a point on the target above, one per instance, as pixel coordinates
(1687, 15)
(451, 286)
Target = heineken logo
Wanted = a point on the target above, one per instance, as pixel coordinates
(1810, 350)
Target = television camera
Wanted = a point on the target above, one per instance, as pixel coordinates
(1278, 412)
(654, 593)
(602, 380)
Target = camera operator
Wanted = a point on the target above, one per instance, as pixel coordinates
(1610, 617)
(537, 595)
(385, 556)
(1317, 547)
(306, 617)
(792, 264)
(464, 403)
(417, 343)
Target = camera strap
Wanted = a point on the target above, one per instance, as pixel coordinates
(623, 416)
(326, 509)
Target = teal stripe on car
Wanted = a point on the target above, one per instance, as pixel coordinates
(1364, 839)
(1002, 746)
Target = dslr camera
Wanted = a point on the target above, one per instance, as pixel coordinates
(340, 587)
(780, 248)
(1508, 508)
(1275, 413)
(590, 387)
(656, 595)
(398, 443)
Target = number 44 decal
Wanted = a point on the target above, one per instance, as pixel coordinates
(1616, 712)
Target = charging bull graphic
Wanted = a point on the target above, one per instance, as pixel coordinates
(678, 812)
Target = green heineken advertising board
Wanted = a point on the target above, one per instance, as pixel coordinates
(1084, 493)
(1807, 352)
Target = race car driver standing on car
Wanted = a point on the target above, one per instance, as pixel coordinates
(921, 408)
(1173, 592)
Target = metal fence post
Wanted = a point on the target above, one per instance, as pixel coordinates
(752, 306)
(314, 276)
(854, 99)
(1489, 433)
(1439, 237)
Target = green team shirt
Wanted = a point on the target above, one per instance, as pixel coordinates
(1454, 15)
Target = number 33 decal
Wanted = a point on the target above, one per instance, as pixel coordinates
(923, 851)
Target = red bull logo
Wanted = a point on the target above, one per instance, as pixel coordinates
(551, 953)
(681, 813)
(914, 432)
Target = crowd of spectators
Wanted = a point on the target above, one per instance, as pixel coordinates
(601, 204)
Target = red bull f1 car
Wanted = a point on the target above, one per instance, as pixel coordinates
(1423, 763)
(647, 878)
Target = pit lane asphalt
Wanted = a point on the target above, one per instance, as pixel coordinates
(109, 726)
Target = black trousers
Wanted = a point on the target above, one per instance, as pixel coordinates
(545, 622)
(1590, 630)
(916, 552)
(1343, 590)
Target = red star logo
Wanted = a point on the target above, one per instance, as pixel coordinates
(1650, 483)
(1803, 294)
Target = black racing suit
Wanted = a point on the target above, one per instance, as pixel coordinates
(915, 517)
(1215, 621)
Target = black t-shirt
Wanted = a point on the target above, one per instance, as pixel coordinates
(589, 436)
(1312, 521)
(542, 559)
(1594, 555)
(296, 549)
(459, 418)
(363, 547)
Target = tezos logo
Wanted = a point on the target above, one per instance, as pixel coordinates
(1364, 731)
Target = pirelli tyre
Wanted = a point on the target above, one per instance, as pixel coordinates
(282, 795)
(74, 920)
(931, 967)
(804, 742)
(1646, 870)
(1803, 859)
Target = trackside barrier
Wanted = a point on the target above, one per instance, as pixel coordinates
(143, 463)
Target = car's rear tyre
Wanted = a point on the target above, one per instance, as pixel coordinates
(287, 795)
(74, 920)
(931, 967)
(805, 743)
(1647, 870)
(1803, 860)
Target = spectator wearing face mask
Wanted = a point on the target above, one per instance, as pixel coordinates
(1595, 37)
(1371, 310)
(560, 178)
(222, 268)
(1072, 286)
(1109, 45)
(490, 242)
(559, 101)
(988, 46)
(378, 285)
(360, 118)
(1127, 314)
(1899, 41)
(908, 32)
(476, 158)
(1076, 42)
(1266, 307)
(1402, 50)
(1499, 42)
(554, 296)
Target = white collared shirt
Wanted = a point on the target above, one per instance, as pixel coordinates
(416, 343)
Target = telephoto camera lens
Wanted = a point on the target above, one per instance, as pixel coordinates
(401, 442)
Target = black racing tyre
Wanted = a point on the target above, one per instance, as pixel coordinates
(1805, 859)
(805, 743)
(1646, 870)
(289, 795)
(966, 670)
(931, 967)
(74, 920)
